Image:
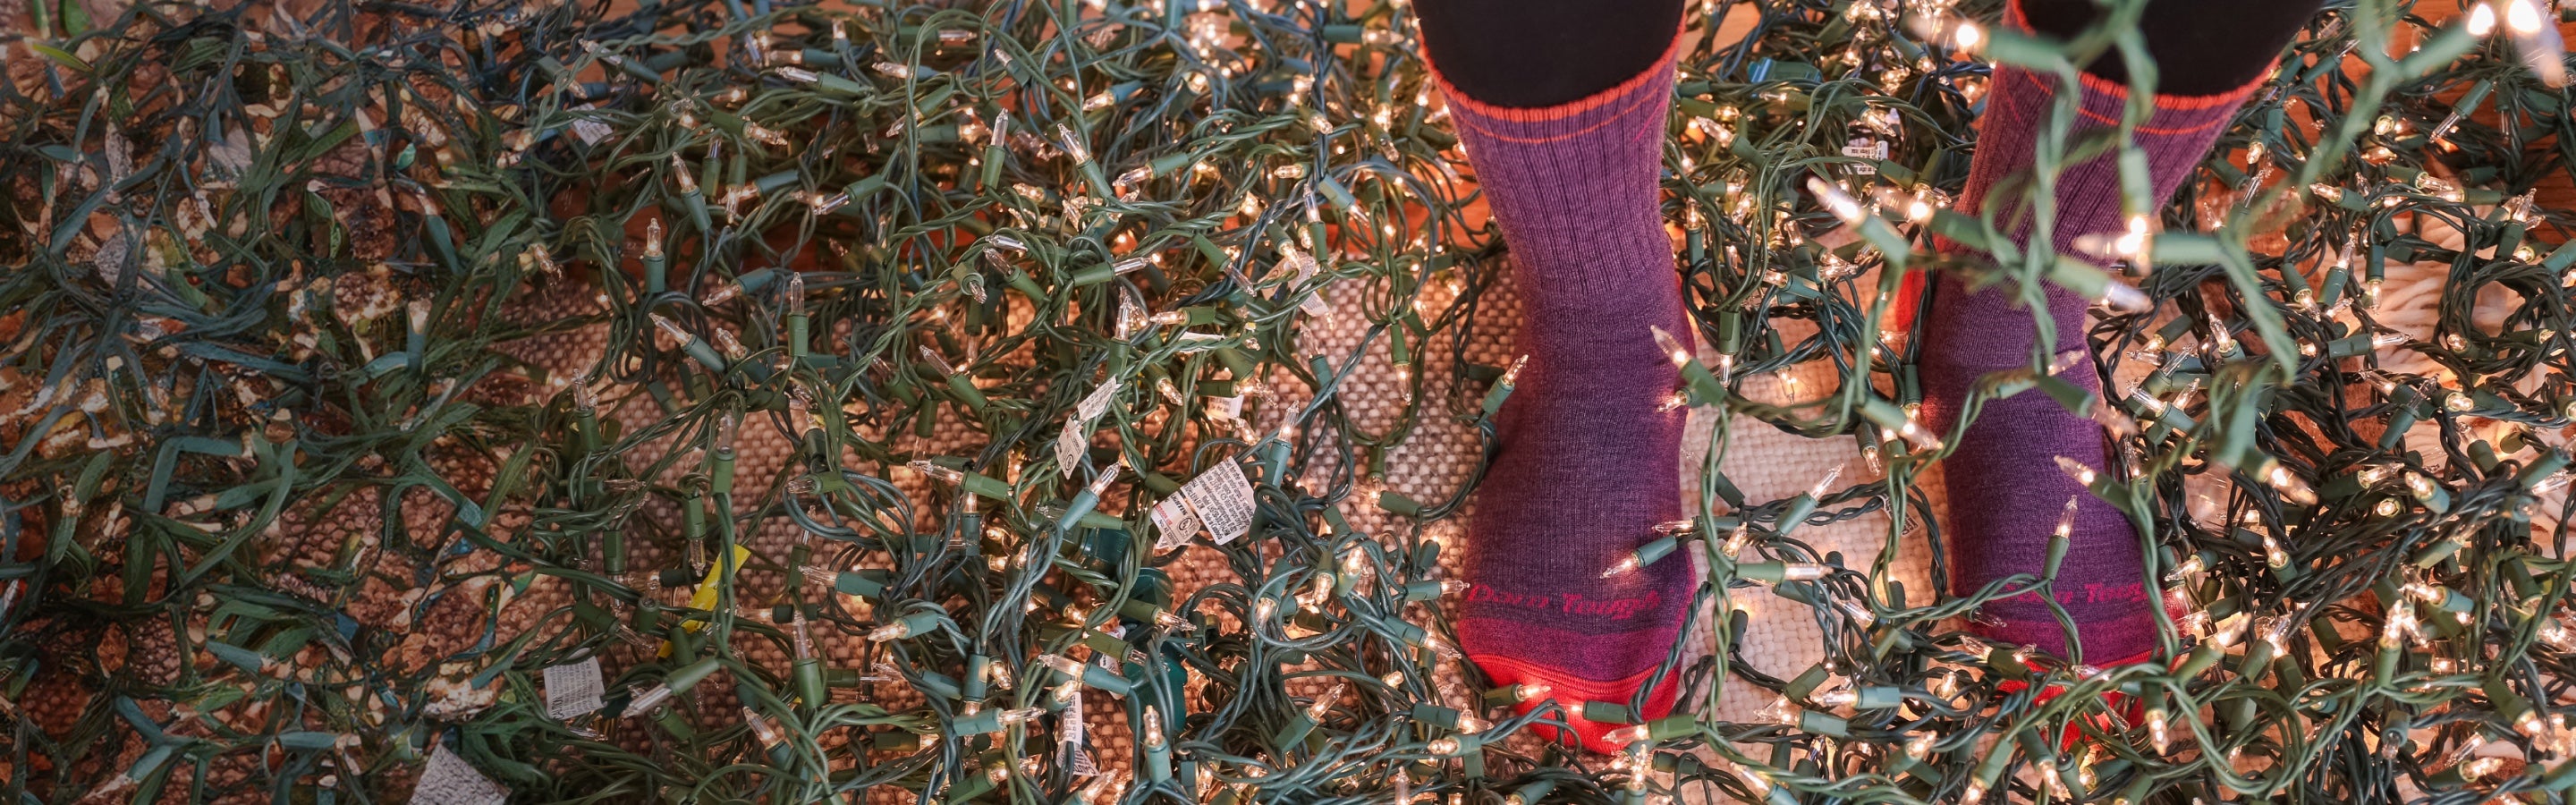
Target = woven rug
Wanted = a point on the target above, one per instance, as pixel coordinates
(1432, 456)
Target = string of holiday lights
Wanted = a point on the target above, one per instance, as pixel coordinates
(742, 400)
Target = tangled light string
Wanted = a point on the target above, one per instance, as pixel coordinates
(279, 490)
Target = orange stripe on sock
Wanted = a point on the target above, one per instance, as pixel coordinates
(2163, 102)
(1542, 114)
(2014, 19)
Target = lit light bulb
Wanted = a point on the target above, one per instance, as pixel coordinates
(1841, 204)
(1019, 716)
(2190, 565)
(1319, 589)
(2522, 17)
(1967, 37)
(1919, 437)
(679, 169)
(935, 470)
(1441, 646)
(1153, 737)
(1067, 666)
(1322, 705)
(2401, 625)
(2557, 635)
(1672, 347)
(2076, 470)
(1627, 564)
(1101, 482)
(2289, 484)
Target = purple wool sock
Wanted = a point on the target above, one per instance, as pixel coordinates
(2006, 492)
(1586, 467)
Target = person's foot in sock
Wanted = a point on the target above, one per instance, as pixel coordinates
(2006, 492)
(1587, 463)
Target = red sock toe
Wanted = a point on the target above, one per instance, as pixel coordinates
(1571, 692)
(2129, 707)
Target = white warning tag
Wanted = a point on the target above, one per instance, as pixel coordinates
(573, 689)
(449, 780)
(1173, 523)
(1222, 499)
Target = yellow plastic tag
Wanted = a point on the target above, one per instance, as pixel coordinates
(705, 596)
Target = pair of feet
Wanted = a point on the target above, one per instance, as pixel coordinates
(1588, 463)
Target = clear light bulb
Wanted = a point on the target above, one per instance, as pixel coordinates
(1153, 732)
(1671, 346)
(935, 470)
(2400, 626)
(1441, 646)
(937, 361)
(1100, 483)
(646, 698)
(2522, 17)
(1019, 716)
(1072, 144)
(724, 291)
(680, 170)
(1841, 204)
(762, 729)
(1967, 38)
(1825, 485)
(1626, 564)
(672, 329)
(2076, 470)
(1322, 705)
(2420, 486)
